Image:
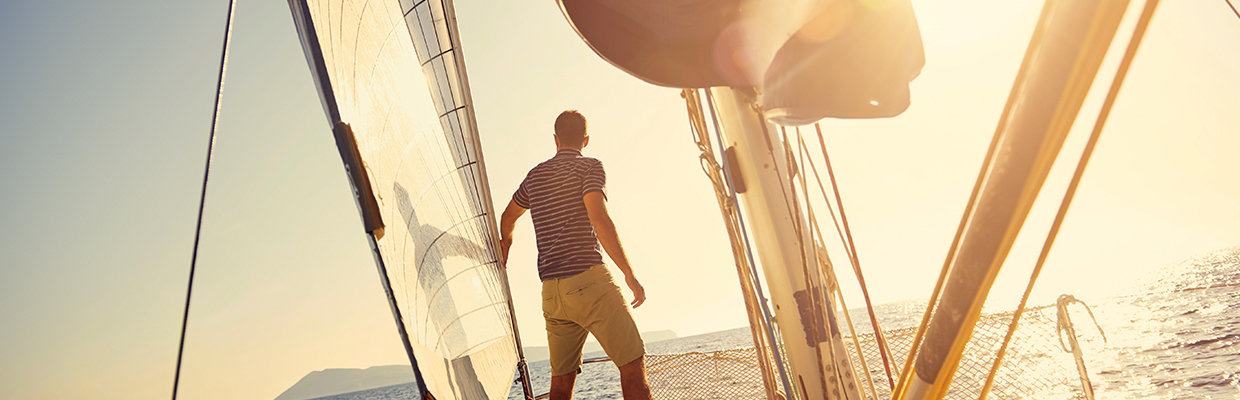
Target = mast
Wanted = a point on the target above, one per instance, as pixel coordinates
(804, 311)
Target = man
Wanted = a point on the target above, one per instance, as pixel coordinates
(567, 200)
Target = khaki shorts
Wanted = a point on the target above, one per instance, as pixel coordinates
(589, 302)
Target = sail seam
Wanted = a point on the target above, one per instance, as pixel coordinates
(378, 53)
(415, 5)
(458, 320)
(432, 184)
(458, 108)
(445, 232)
(462, 83)
(446, 99)
(440, 55)
(357, 35)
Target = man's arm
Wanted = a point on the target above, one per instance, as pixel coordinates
(507, 222)
(605, 229)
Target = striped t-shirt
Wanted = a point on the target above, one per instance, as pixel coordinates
(553, 192)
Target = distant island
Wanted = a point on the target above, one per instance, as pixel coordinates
(335, 381)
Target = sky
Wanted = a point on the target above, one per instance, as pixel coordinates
(107, 104)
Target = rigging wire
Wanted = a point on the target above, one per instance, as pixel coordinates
(1142, 24)
(828, 280)
(1233, 8)
(215, 119)
(824, 259)
(811, 288)
(856, 263)
(881, 340)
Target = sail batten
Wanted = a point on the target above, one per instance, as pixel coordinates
(391, 72)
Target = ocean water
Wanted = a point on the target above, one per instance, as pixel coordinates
(1180, 339)
(1177, 337)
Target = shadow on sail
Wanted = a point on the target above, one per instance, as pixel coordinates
(391, 78)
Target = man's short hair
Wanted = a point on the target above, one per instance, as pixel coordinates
(570, 128)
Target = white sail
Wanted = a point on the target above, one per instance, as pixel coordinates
(393, 72)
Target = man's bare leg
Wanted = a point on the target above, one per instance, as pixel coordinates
(562, 386)
(632, 380)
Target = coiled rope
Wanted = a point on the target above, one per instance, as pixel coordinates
(1064, 325)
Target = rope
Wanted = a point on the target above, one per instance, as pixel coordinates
(970, 207)
(824, 261)
(856, 262)
(711, 168)
(1064, 324)
(202, 200)
(828, 269)
(761, 325)
(822, 189)
(1146, 15)
(1233, 8)
(869, 379)
(752, 272)
(811, 288)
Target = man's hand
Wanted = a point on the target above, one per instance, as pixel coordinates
(639, 293)
(504, 245)
(506, 223)
(605, 228)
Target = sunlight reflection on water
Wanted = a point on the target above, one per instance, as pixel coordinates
(1179, 337)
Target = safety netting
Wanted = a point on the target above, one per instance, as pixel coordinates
(723, 374)
(1035, 364)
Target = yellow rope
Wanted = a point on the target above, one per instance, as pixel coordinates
(1142, 24)
(1064, 324)
(824, 261)
(827, 269)
(811, 288)
(906, 373)
(857, 344)
(856, 263)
